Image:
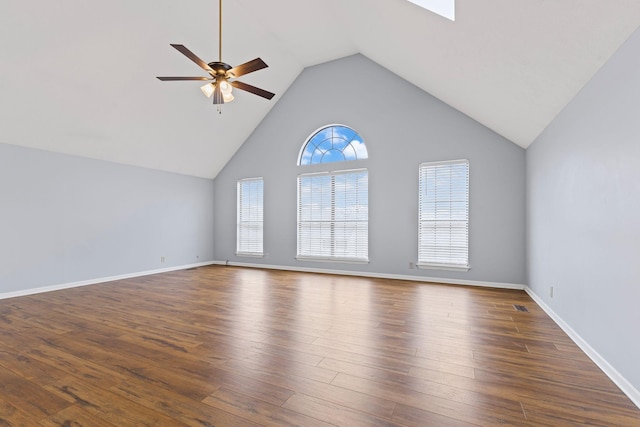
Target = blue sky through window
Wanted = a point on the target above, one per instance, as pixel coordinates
(335, 143)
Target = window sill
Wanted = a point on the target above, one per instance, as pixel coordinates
(340, 260)
(448, 267)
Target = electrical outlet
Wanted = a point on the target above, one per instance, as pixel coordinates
(551, 291)
(161, 259)
(411, 265)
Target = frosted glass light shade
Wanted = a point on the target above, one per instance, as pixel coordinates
(225, 87)
(208, 89)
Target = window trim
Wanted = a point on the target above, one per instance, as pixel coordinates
(239, 219)
(439, 265)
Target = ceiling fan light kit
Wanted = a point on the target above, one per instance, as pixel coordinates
(221, 79)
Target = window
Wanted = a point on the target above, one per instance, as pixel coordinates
(443, 235)
(333, 206)
(335, 143)
(445, 8)
(333, 216)
(249, 231)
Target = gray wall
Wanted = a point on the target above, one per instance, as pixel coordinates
(402, 126)
(65, 219)
(583, 179)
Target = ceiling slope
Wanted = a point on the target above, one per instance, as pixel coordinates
(78, 77)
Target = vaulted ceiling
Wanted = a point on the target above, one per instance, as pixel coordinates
(78, 76)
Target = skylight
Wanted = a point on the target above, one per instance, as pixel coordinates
(446, 8)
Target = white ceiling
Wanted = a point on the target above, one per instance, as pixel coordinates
(78, 76)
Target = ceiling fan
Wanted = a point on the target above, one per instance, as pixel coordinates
(221, 74)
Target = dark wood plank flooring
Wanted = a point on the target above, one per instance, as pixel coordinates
(227, 346)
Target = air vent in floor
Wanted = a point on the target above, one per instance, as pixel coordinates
(520, 308)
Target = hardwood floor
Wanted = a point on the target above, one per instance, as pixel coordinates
(227, 346)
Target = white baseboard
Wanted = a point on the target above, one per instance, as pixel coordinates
(96, 281)
(377, 275)
(615, 376)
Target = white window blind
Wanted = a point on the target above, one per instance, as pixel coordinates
(443, 235)
(333, 216)
(249, 230)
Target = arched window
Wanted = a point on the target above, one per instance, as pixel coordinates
(333, 143)
(333, 206)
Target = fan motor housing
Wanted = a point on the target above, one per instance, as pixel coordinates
(220, 68)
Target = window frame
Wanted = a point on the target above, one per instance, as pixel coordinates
(438, 208)
(243, 247)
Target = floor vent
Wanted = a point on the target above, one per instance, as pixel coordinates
(520, 308)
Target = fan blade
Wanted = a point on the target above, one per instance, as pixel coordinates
(247, 67)
(254, 90)
(192, 56)
(169, 79)
(218, 98)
